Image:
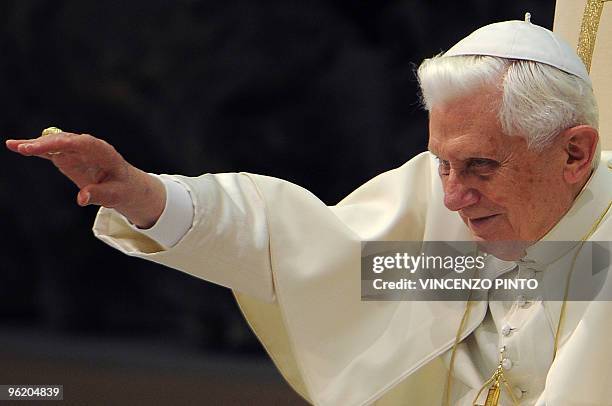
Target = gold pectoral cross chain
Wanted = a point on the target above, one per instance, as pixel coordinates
(495, 385)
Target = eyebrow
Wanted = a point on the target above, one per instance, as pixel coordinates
(468, 156)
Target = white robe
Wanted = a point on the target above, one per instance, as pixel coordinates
(294, 264)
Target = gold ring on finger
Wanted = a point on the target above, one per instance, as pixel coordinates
(49, 131)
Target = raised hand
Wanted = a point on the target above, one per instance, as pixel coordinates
(103, 176)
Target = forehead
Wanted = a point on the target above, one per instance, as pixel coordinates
(468, 126)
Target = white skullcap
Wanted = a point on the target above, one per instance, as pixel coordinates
(521, 40)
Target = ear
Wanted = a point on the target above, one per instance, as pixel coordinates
(579, 144)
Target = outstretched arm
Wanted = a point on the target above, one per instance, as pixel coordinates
(225, 238)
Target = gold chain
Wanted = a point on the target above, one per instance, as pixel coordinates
(496, 379)
(449, 377)
(567, 282)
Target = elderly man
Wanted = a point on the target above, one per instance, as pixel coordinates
(513, 156)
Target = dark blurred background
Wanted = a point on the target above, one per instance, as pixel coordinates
(321, 93)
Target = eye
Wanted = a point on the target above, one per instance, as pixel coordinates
(443, 166)
(482, 166)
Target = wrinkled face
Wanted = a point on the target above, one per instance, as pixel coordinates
(502, 190)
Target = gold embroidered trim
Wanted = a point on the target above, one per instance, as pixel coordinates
(588, 30)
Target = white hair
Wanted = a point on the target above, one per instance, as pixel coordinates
(538, 100)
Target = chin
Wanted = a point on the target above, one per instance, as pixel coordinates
(507, 250)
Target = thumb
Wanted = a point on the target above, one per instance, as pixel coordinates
(101, 194)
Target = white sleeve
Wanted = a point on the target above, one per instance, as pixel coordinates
(213, 227)
(175, 220)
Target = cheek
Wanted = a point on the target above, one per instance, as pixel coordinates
(526, 180)
(525, 194)
(503, 191)
(529, 182)
(515, 198)
(522, 182)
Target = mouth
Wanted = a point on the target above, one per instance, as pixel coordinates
(481, 223)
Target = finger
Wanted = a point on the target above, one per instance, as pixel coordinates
(60, 142)
(51, 156)
(83, 198)
(27, 150)
(18, 146)
(14, 144)
(105, 194)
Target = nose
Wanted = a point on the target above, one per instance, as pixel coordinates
(457, 195)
